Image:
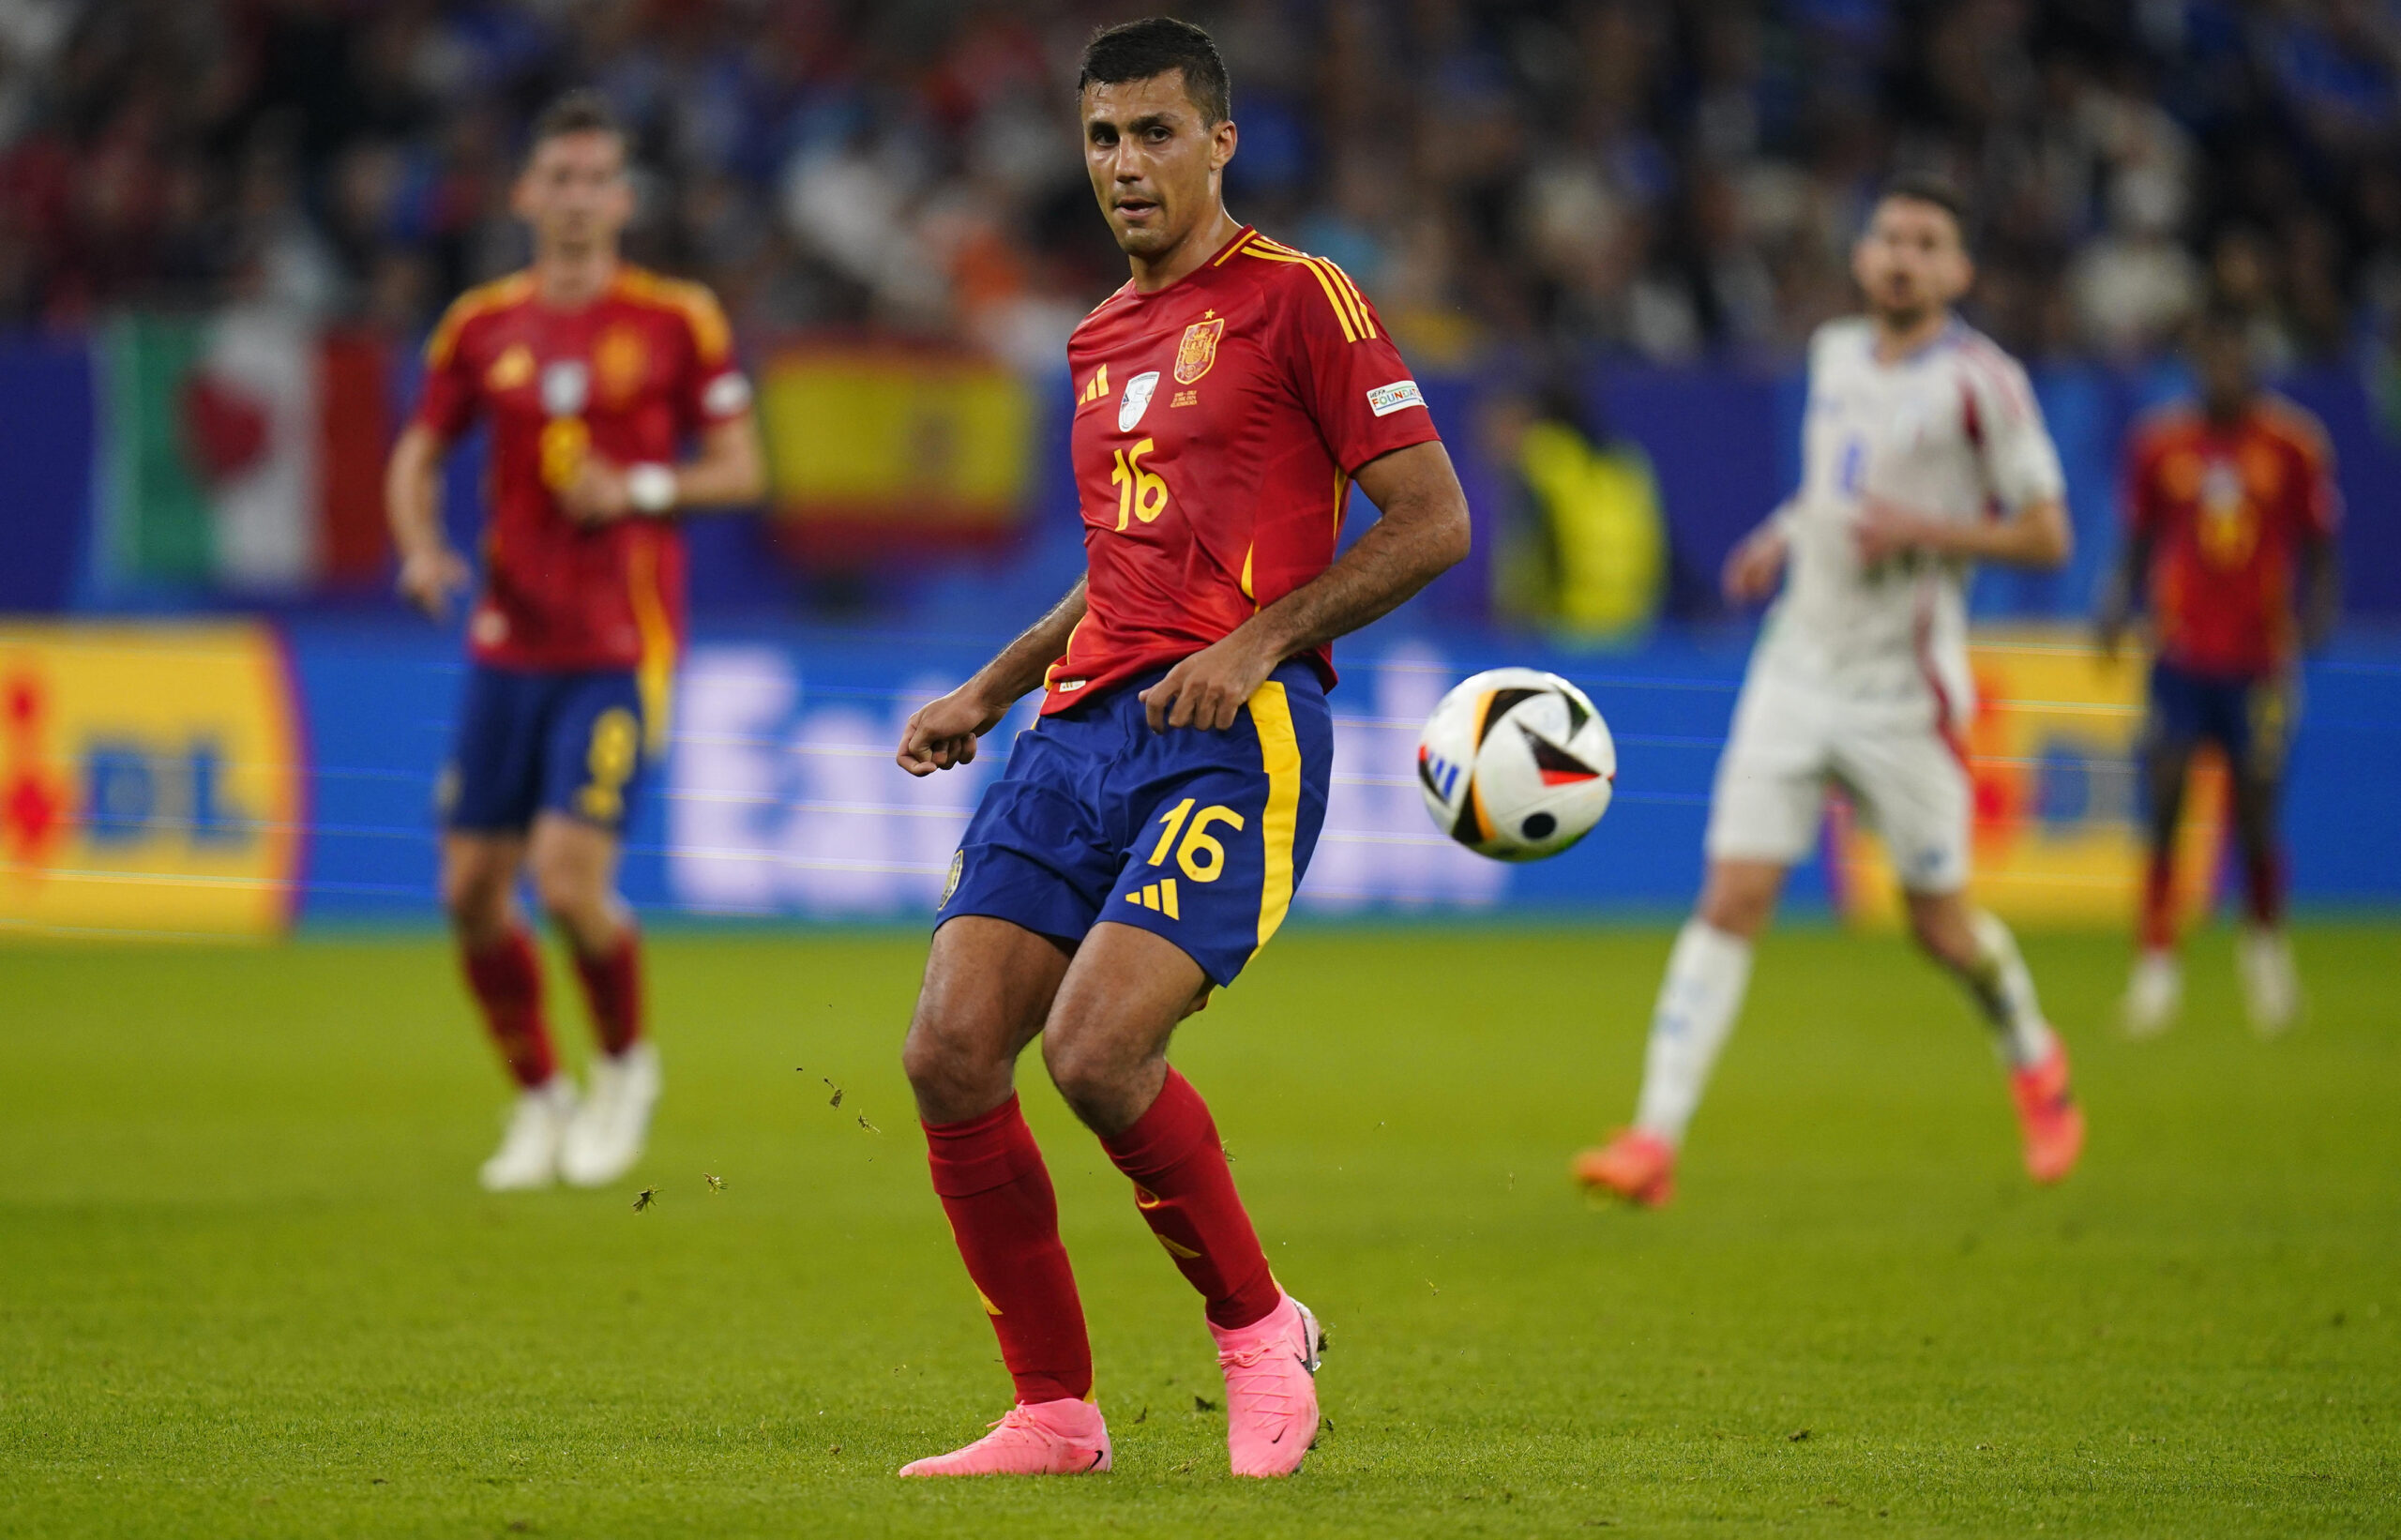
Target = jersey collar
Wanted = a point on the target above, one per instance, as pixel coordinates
(1953, 330)
(1216, 259)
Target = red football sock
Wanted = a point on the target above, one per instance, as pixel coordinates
(612, 988)
(989, 1175)
(506, 979)
(2159, 904)
(2264, 877)
(1184, 1189)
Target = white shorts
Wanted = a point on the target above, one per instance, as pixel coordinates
(1789, 742)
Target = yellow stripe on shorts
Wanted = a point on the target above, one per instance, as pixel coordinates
(1279, 755)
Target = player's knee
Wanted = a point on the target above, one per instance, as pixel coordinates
(1090, 1072)
(1737, 909)
(474, 896)
(956, 1069)
(1943, 929)
(568, 893)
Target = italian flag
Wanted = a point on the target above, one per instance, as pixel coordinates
(241, 451)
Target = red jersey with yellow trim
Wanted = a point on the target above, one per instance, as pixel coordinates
(1218, 424)
(2227, 508)
(628, 377)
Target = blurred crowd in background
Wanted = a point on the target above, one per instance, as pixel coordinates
(1663, 179)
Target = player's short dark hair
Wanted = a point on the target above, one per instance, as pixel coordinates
(578, 112)
(1141, 50)
(1923, 187)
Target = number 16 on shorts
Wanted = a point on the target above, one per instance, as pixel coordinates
(1200, 856)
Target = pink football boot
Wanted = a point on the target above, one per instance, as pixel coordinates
(1637, 1167)
(1063, 1438)
(2048, 1115)
(1270, 1389)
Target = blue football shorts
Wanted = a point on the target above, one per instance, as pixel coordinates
(578, 743)
(1199, 837)
(2251, 719)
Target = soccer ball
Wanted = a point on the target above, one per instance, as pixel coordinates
(1516, 764)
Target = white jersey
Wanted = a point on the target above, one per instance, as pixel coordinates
(1951, 431)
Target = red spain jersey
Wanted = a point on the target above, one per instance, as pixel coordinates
(628, 377)
(2228, 509)
(1219, 422)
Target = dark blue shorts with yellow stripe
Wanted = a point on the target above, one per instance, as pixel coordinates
(1199, 837)
(574, 742)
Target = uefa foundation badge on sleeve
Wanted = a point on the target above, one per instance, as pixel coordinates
(1135, 401)
(1384, 401)
(566, 384)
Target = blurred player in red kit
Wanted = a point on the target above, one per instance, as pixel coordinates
(592, 374)
(2231, 513)
(1147, 837)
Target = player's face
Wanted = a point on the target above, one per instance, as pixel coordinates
(1910, 261)
(1154, 162)
(2222, 360)
(574, 191)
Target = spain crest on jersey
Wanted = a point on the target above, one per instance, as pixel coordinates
(1198, 350)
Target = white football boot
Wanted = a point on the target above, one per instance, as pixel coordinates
(606, 1137)
(2154, 995)
(2271, 987)
(528, 1156)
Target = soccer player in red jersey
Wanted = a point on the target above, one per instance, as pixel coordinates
(1146, 838)
(592, 374)
(2231, 513)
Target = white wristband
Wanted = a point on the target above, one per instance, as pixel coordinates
(650, 489)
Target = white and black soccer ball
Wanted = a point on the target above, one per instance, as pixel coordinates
(1516, 765)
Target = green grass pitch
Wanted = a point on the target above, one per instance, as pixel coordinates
(247, 1286)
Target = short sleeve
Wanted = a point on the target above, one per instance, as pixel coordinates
(2021, 465)
(446, 402)
(1349, 376)
(714, 388)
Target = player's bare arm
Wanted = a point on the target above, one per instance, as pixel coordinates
(1422, 532)
(2121, 600)
(730, 472)
(430, 570)
(941, 733)
(1756, 565)
(2037, 535)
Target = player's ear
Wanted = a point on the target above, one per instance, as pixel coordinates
(1222, 140)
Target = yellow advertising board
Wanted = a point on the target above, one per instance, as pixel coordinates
(873, 449)
(151, 781)
(2058, 799)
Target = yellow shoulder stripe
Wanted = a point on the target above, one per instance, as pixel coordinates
(480, 301)
(711, 335)
(1340, 291)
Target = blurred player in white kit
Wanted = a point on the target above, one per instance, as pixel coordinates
(1923, 452)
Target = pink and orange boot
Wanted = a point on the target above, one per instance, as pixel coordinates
(1271, 1388)
(1065, 1438)
(2046, 1111)
(1637, 1167)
